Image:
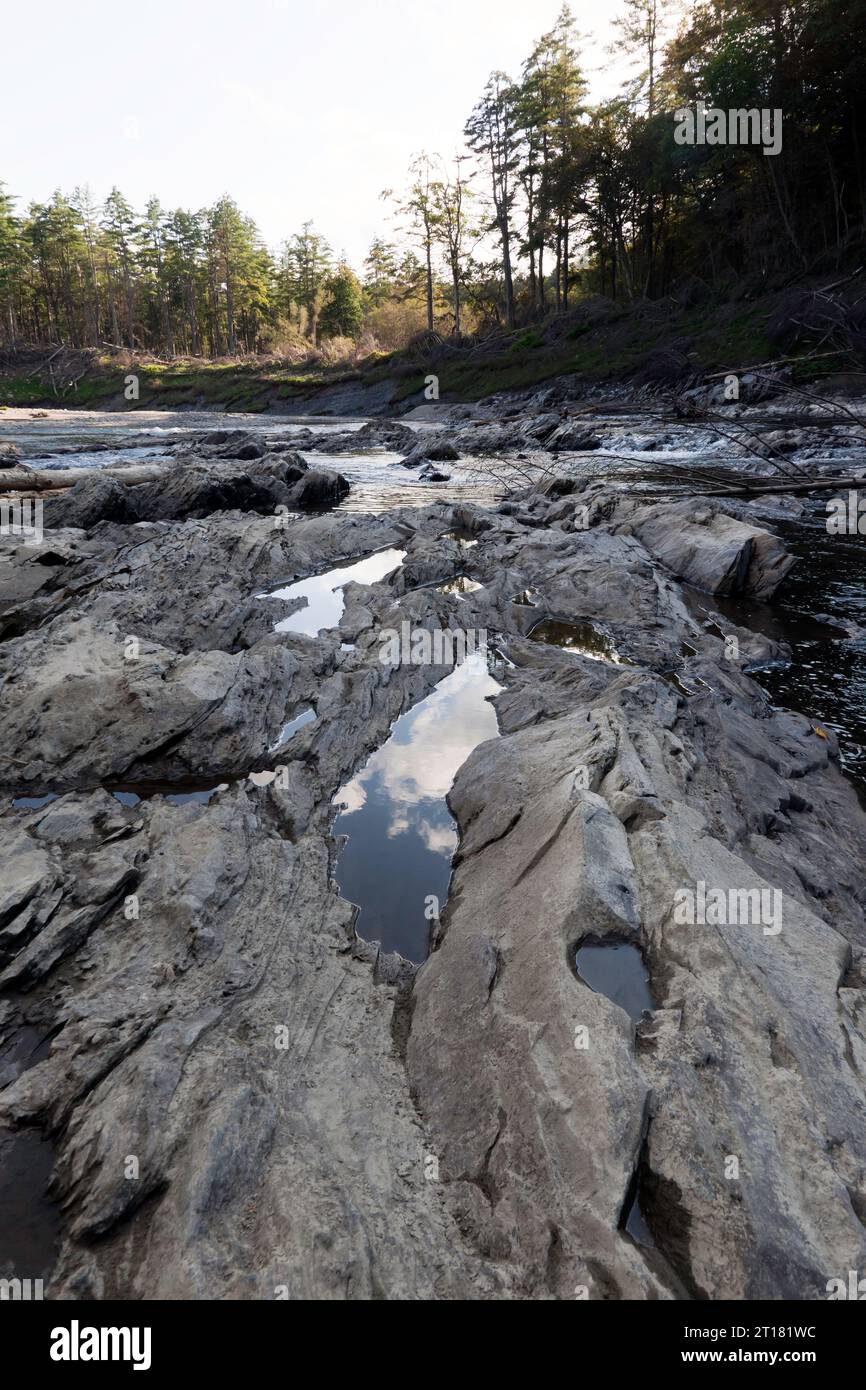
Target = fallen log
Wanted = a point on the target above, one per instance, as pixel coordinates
(781, 487)
(49, 479)
(776, 362)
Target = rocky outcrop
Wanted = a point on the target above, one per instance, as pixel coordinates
(375, 434)
(196, 489)
(698, 541)
(430, 450)
(571, 438)
(247, 1101)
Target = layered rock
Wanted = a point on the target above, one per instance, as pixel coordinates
(307, 1118)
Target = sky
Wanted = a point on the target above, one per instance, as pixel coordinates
(300, 109)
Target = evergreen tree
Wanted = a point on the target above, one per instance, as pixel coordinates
(381, 272)
(307, 261)
(342, 314)
(492, 132)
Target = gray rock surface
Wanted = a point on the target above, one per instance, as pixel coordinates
(192, 488)
(700, 542)
(208, 1011)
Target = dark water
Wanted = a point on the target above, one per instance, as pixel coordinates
(827, 676)
(824, 593)
(29, 1220)
(182, 792)
(401, 833)
(584, 639)
(616, 969)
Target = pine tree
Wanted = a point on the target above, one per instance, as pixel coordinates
(11, 264)
(420, 211)
(380, 272)
(492, 132)
(307, 263)
(342, 315)
(452, 229)
(121, 236)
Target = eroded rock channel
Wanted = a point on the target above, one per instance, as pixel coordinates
(230, 1088)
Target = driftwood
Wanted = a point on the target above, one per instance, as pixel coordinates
(776, 362)
(780, 488)
(47, 362)
(774, 422)
(49, 479)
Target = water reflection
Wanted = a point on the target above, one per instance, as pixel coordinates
(584, 639)
(461, 584)
(401, 833)
(323, 593)
(307, 716)
(616, 968)
(183, 791)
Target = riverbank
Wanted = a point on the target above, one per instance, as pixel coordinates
(666, 344)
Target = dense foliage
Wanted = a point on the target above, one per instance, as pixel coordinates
(554, 199)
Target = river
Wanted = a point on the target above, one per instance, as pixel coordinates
(826, 678)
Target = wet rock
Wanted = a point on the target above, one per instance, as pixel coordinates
(430, 450)
(375, 434)
(255, 449)
(319, 487)
(222, 438)
(198, 489)
(488, 439)
(539, 427)
(572, 438)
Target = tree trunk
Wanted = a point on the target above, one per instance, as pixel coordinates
(429, 285)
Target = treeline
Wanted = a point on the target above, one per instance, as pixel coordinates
(553, 199)
(172, 282)
(176, 282)
(605, 199)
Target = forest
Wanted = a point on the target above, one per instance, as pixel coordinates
(552, 199)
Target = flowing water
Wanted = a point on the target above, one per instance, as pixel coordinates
(826, 678)
(820, 612)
